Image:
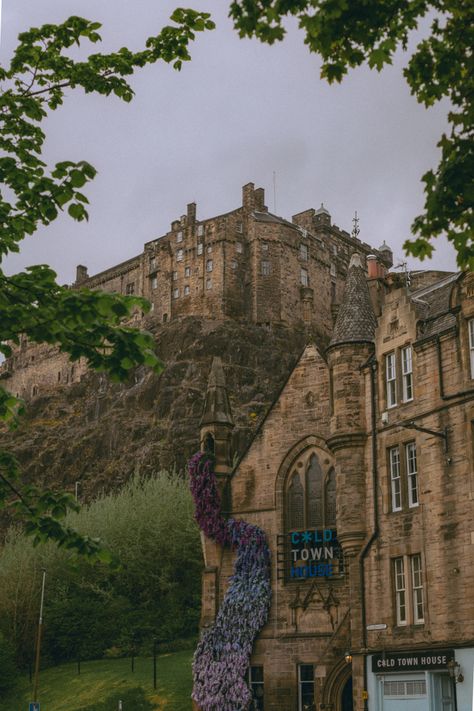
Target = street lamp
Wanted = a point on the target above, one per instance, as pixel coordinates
(348, 657)
(454, 670)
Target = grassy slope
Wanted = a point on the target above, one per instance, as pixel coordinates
(62, 689)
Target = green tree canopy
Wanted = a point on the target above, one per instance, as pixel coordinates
(83, 323)
(346, 33)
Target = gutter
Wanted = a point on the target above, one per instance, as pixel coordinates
(375, 530)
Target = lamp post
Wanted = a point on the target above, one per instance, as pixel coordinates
(38, 640)
(454, 669)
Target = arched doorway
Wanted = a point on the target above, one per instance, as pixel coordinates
(346, 696)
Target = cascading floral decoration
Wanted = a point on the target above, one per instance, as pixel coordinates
(223, 654)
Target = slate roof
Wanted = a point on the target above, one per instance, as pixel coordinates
(356, 320)
(433, 307)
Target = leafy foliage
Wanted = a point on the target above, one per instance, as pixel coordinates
(85, 324)
(223, 654)
(347, 33)
(148, 527)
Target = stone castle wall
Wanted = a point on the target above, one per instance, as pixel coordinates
(245, 265)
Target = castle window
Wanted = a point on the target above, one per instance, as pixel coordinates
(154, 282)
(391, 379)
(233, 264)
(179, 255)
(179, 236)
(304, 278)
(208, 283)
(239, 247)
(152, 263)
(239, 227)
(187, 271)
(175, 293)
(403, 477)
(209, 248)
(305, 687)
(165, 318)
(59, 377)
(256, 686)
(409, 590)
(304, 252)
(186, 290)
(200, 230)
(265, 267)
(471, 344)
(334, 249)
(34, 390)
(209, 265)
(407, 374)
(200, 248)
(264, 246)
(130, 288)
(174, 276)
(333, 291)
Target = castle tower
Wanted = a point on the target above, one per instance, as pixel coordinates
(351, 346)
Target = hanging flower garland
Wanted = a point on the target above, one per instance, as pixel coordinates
(223, 654)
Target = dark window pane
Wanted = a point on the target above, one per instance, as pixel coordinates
(295, 503)
(331, 500)
(306, 672)
(314, 479)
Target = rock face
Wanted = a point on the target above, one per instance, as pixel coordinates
(99, 433)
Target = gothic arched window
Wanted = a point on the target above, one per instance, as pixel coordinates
(311, 495)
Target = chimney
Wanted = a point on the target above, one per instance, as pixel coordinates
(81, 273)
(259, 197)
(248, 196)
(372, 266)
(191, 213)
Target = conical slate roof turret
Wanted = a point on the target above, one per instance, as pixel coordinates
(216, 406)
(356, 320)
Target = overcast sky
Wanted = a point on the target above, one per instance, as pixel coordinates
(235, 114)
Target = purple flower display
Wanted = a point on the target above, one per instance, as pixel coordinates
(223, 654)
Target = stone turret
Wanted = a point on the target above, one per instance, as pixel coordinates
(350, 347)
(217, 422)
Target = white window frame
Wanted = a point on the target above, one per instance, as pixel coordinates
(304, 252)
(200, 230)
(208, 284)
(416, 567)
(179, 255)
(304, 277)
(265, 267)
(470, 328)
(176, 293)
(239, 247)
(200, 248)
(187, 271)
(154, 282)
(233, 264)
(407, 374)
(395, 478)
(152, 263)
(256, 686)
(332, 270)
(174, 276)
(264, 246)
(186, 290)
(412, 474)
(209, 265)
(300, 685)
(400, 591)
(391, 378)
(179, 236)
(239, 227)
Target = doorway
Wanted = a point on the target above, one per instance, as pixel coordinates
(346, 696)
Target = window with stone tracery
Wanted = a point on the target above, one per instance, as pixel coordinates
(311, 496)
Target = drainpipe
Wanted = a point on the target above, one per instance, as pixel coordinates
(375, 531)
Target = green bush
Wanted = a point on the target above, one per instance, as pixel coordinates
(149, 526)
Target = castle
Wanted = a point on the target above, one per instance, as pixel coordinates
(247, 265)
(361, 475)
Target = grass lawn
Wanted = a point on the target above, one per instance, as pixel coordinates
(63, 689)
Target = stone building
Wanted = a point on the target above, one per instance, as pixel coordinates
(361, 475)
(246, 265)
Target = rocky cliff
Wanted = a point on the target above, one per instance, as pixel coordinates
(97, 433)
